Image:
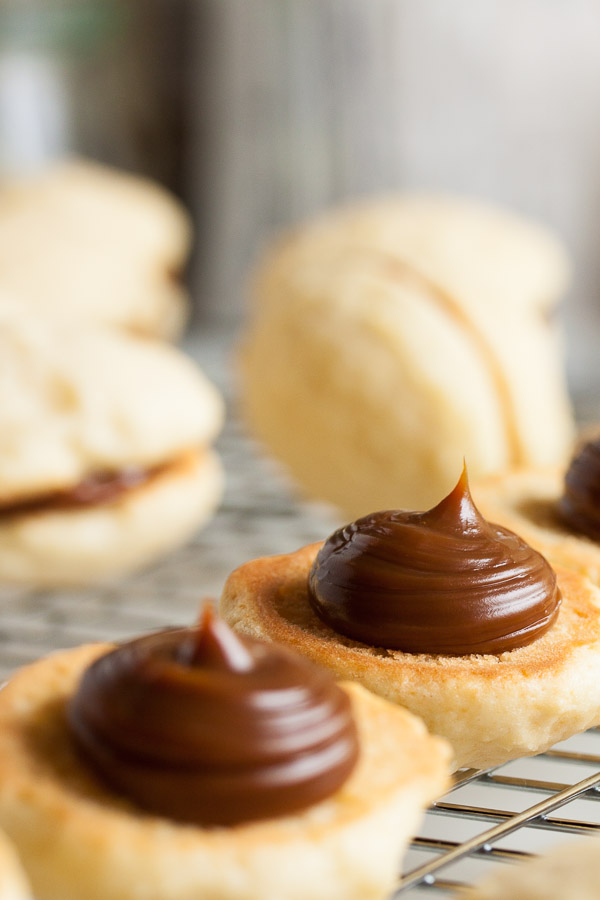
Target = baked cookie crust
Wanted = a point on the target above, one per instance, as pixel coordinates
(571, 872)
(79, 546)
(79, 841)
(490, 708)
(390, 338)
(525, 500)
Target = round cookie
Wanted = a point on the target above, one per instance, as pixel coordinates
(97, 245)
(388, 340)
(76, 546)
(86, 411)
(343, 848)
(525, 500)
(13, 885)
(571, 872)
(491, 708)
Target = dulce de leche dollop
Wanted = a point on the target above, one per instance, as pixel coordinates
(205, 727)
(579, 507)
(444, 581)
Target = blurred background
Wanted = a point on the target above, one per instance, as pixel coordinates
(260, 112)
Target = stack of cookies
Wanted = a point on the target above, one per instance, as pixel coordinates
(106, 431)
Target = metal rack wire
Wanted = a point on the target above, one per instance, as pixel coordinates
(491, 818)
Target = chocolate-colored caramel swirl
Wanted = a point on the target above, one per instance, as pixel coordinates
(444, 581)
(95, 490)
(202, 726)
(579, 507)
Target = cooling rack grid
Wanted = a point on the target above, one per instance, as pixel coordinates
(503, 815)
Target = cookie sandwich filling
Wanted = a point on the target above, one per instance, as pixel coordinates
(205, 727)
(579, 507)
(445, 582)
(99, 488)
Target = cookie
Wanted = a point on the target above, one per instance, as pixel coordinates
(105, 458)
(556, 510)
(571, 872)
(347, 845)
(445, 614)
(97, 245)
(388, 340)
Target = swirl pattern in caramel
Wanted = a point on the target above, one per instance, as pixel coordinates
(202, 726)
(579, 507)
(444, 581)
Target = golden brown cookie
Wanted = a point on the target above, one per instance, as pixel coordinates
(526, 501)
(388, 340)
(97, 245)
(80, 841)
(571, 872)
(490, 708)
(105, 450)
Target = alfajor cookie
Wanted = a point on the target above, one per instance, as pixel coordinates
(97, 245)
(453, 618)
(269, 783)
(105, 456)
(570, 872)
(555, 510)
(13, 885)
(388, 340)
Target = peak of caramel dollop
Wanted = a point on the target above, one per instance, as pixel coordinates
(579, 507)
(444, 581)
(202, 726)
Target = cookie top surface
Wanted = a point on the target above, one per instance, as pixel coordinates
(95, 243)
(74, 401)
(268, 597)
(90, 203)
(35, 747)
(569, 872)
(454, 243)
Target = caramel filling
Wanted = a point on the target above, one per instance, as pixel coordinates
(444, 581)
(579, 507)
(97, 489)
(205, 727)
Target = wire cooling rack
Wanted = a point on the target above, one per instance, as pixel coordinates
(488, 819)
(505, 815)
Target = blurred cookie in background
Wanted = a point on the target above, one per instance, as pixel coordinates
(569, 872)
(95, 244)
(389, 340)
(555, 510)
(105, 456)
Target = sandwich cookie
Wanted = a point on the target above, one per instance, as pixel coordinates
(97, 245)
(105, 457)
(555, 511)
(194, 763)
(454, 618)
(571, 872)
(387, 340)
